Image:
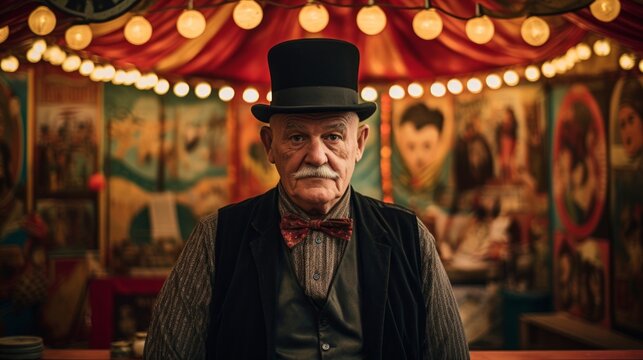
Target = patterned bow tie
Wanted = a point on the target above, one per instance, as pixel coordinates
(294, 229)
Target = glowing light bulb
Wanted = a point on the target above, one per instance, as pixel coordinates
(369, 93)
(203, 90)
(97, 74)
(57, 56)
(119, 77)
(162, 87)
(474, 85)
(605, 10)
(535, 31)
(532, 73)
(455, 86)
(313, 17)
(33, 55)
(548, 69)
(138, 30)
(371, 20)
(602, 47)
(269, 96)
(247, 14)
(584, 51)
(627, 61)
(641, 65)
(427, 24)
(9, 64)
(4, 33)
(396, 92)
(86, 67)
(226, 93)
(42, 21)
(438, 89)
(511, 78)
(250, 95)
(191, 24)
(493, 81)
(39, 45)
(415, 90)
(181, 89)
(479, 29)
(71, 63)
(108, 72)
(132, 77)
(78, 37)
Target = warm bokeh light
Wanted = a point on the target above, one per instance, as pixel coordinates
(71, 63)
(479, 29)
(226, 93)
(269, 96)
(4, 33)
(602, 47)
(108, 72)
(396, 92)
(584, 51)
(369, 93)
(57, 56)
(438, 89)
(532, 73)
(78, 37)
(605, 10)
(511, 77)
(627, 61)
(42, 21)
(415, 90)
(641, 65)
(181, 89)
(9, 64)
(119, 77)
(39, 45)
(548, 69)
(247, 14)
(493, 81)
(86, 67)
(535, 31)
(313, 17)
(191, 24)
(162, 87)
(427, 24)
(203, 90)
(34, 55)
(138, 30)
(455, 86)
(474, 85)
(250, 95)
(371, 19)
(97, 73)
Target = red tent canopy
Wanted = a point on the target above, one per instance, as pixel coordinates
(230, 53)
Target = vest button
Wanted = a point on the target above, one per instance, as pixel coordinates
(318, 240)
(316, 276)
(325, 347)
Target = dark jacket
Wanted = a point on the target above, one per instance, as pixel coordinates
(247, 261)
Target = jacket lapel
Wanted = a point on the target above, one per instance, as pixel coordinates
(265, 250)
(374, 260)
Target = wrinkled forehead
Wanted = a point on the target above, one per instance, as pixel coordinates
(334, 119)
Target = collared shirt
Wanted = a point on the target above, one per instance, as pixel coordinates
(180, 318)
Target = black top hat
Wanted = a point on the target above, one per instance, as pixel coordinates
(313, 76)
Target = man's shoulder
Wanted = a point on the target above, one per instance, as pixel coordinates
(384, 206)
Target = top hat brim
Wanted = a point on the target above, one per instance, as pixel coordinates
(263, 112)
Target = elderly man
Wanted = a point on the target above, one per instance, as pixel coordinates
(311, 269)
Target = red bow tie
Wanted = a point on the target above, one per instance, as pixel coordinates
(294, 229)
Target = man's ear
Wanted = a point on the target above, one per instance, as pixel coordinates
(266, 139)
(362, 136)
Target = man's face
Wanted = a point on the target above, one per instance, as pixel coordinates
(315, 155)
(418, 146)
(631, 129)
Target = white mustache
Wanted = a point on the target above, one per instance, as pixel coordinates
(323, 171)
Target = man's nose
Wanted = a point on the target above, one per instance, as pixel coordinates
(316, 152)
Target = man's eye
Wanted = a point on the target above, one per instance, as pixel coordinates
(296, 138)
(334, 137)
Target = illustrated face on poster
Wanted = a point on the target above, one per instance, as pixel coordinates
(580, 161)
(627, 123)
(423, 136)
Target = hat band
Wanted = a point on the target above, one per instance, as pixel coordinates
(314, 96)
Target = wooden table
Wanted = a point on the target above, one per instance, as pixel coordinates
(77, 354)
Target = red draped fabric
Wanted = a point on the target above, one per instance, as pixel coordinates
(230, 53)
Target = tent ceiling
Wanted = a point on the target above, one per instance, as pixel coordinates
(230, 53)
